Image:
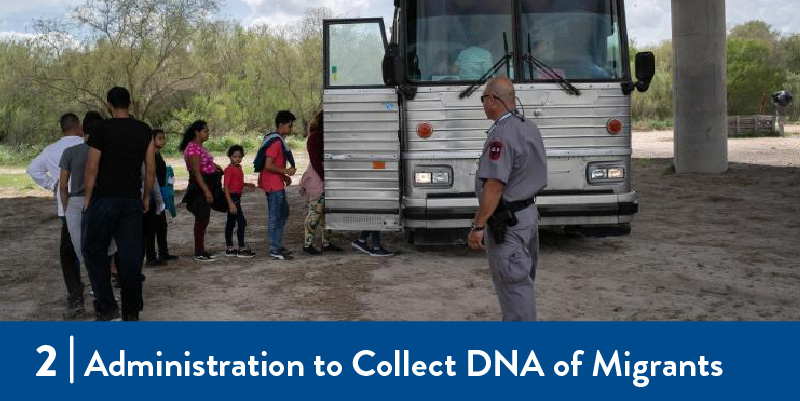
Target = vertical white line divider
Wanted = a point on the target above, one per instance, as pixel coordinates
(71, 360)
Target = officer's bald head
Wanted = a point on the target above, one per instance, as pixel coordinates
(502, 88)
(499, 97)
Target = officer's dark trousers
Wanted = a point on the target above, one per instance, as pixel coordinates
(121, 219)
(70, 267)
(513, 266)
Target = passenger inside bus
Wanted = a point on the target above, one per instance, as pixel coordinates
(474, 60)
(578, 39)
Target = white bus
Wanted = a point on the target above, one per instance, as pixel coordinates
(403, 131)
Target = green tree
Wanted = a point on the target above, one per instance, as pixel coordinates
(656, 103)
(143, 45)
(751, 74)
(757, 30)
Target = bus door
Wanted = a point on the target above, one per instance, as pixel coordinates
(361, 129)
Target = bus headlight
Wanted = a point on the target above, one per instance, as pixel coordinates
(441, 177)
(422, 178)
(597, 174)
(434, 176)
(616, 173)
(605, 172)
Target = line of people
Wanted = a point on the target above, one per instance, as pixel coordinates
(212, 188)
(114, 189)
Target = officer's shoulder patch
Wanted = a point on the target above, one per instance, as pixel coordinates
(495, 150)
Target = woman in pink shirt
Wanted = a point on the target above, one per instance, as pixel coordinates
(200, 192)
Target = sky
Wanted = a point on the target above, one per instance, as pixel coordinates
(649, 21)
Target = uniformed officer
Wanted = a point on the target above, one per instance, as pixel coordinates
(513, 167)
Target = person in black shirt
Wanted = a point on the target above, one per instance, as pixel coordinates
(114, 205)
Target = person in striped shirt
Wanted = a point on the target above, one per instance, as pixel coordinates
(473, 62)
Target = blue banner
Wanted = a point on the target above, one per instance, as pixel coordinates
(368, 360)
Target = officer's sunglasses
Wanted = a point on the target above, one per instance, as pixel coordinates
(483, 97)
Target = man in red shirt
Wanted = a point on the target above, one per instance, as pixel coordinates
(273, 180)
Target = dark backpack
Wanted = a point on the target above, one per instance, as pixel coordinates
(261, 157)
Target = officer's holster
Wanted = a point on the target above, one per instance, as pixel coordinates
(505, 216)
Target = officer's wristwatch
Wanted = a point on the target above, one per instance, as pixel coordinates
(476, 228)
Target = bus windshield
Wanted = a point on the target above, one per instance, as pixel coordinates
(456, 40)
(578, 39)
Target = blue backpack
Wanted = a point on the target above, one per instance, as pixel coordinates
(261, 157)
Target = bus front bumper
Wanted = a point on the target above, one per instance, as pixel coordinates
(565, 210)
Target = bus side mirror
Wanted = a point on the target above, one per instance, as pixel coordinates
(645, 70)
(393, 68)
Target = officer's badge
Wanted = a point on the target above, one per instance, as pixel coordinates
(495, 150)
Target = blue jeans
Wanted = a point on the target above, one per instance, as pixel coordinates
(278, 214)
(121, 219)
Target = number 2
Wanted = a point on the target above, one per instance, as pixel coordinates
(45, 369)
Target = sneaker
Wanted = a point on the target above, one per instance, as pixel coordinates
(155, 263)
(360, 246)
(204, 258)
(230, 252)
(286, 251)
(280, 255)
(107, 317)
(245, 253)
(330, 247)
(380, 251)
(168, 257)
(310, 250)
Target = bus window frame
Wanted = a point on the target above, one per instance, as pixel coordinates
(518, 49)
(326, 57)
(404, 47)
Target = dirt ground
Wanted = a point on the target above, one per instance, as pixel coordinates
(703, 247)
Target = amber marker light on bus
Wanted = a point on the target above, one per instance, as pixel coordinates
(614, 126)
(424, 130)
(379, 165)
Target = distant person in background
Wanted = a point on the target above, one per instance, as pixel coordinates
(234, 186)
(312, 187)
(115, 201)
(199, 194)
(45, 171)
(155, 220)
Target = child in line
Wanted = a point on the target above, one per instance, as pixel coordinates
(234, 184)
(155, 220)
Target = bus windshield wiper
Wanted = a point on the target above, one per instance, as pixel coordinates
(505, 60)
(538, 64)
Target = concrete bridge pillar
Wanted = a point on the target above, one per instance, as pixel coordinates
(700, 104)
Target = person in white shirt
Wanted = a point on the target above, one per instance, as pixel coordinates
(45, 171)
